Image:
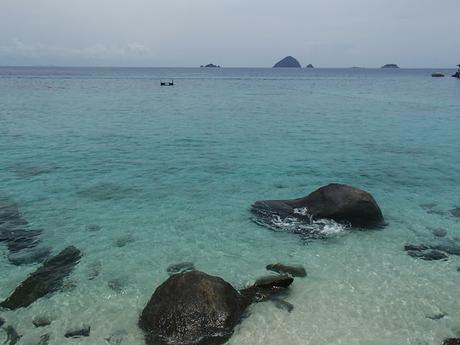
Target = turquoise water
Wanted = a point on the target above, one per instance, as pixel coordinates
(169, 173)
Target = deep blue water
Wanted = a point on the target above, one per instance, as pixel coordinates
(169, 173)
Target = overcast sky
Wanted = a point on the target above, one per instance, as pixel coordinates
(251, 33)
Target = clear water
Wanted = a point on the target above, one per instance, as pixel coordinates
(172, 171)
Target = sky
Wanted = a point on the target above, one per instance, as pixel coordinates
(231, 33)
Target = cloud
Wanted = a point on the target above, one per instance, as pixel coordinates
(133, 50)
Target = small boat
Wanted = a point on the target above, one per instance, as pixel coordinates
(167, 83)
(437, 75)
(457, 74)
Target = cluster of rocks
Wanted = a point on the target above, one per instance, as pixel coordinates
(193, 307)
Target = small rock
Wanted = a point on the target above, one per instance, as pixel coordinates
(12, 336)
(44, 339)
(282, 304)
(428, 206)
(439, 232)
(455, 212)
(123, 241)
(437, 316)
(180, 268)
(41, 321)
(82, 331)
(429, 255)
(293, 270)
(2, 322)
(451, 341)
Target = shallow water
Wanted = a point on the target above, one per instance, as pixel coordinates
(140, 177)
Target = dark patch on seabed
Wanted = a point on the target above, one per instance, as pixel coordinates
(46, 279)
(106, 191)
(27, 171)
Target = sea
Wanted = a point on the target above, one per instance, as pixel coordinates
(139, 177)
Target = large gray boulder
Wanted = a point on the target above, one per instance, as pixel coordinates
(339, 202)
(197, 308)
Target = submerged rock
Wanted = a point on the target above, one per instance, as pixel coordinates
(283, 305)
(44, 339)
(451, 341)
(18, 240)
(2, 322)
(439, 232)
(428, 255)
(35, 255)
(455, 212)
(181, 268)
(41, 321)
(78, 332)
(123, 241)
(47, 279)
(340, 203)
(12, 336)
(93, 227)
(288, 61)
(196, 308)
(293, 270)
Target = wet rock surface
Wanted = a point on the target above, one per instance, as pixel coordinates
(46, 279)
(451, 341)
(78, 332)
(197, 308)
(339, 203)
(41, 321)
(293, 270)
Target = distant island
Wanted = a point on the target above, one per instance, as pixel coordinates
(288, 61)
(310, 66)
(210, 65)
(390, 65)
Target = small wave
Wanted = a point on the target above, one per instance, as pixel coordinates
(307, 227)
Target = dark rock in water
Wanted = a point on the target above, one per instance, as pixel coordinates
(455, 212)
(26, 257)
(47, 279)
(2, 322)
(390, 65)
(44, 339)
(8, 211)
(288, 61)
(439, 232)
(78, 332)
(437, 316)
(25, 171)
(415, 247)
(20, 239)
(341, 203)
(451, 341)
(282, 304)
(12, 336)
(192, 308)
(428, 255)
(449, 249)
(105, 191)
(41, 321)
(310, 66)
(196, 308)
(181, 268)
(293, 270)
(123, 241)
